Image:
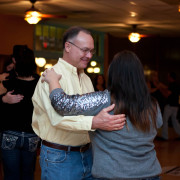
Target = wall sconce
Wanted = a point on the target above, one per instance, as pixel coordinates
(134, 37)
(96, 70)
(90, 69)
(40, 61)
(48, 66)
(93, 63)
(93, 68)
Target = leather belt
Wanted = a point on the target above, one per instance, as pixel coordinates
(66, 148)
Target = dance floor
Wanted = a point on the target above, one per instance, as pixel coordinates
(168, 153)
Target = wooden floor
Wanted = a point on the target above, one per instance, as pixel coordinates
(168, 153)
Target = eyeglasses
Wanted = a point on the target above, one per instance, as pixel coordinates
(84, 50)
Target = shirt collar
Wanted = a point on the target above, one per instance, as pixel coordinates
(70, 67)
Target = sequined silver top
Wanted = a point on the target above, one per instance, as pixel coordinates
(87, 104)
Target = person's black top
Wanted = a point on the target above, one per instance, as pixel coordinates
(18, 117)
(158, 96)
(173, 98)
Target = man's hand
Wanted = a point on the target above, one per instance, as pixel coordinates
(9, 98)
(108, 122)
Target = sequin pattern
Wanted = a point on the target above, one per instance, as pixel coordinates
(78, 104)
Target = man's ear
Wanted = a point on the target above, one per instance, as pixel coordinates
(67, 46)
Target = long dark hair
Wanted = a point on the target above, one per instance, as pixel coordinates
(25, 63)
(129, 91)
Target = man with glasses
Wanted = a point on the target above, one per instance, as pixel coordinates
(65, 151)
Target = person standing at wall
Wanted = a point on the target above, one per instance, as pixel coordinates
(65, 151)
(100, 83)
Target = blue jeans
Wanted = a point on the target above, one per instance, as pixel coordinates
(151, 178)
(65, 165)
(170, 111)
(19, 155)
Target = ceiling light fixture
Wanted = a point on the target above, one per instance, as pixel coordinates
(134, 36)
(133, 14)
(132, 3)
(33, 15)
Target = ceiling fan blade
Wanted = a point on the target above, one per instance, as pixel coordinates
(53, 16)
(144, 35)
(34, 1)
(16, 1)
(10, 2)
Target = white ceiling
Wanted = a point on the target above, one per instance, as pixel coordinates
(153, 17)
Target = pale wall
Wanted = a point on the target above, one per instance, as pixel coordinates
(14, 30)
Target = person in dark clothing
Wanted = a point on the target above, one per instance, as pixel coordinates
(7, 68)
(100, 83)
(153, 85)
(171, 92)
(19, 142)
(9, 64)
(9, 73)
(6, 72)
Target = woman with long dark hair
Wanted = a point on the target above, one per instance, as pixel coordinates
(19, 142)
(124, 154)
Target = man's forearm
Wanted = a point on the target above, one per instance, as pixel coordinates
(108, 122)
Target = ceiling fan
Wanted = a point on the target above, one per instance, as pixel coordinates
(33, 15)
(137, 31)
(134, 36)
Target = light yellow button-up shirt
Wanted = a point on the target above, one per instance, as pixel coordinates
(49, 125)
